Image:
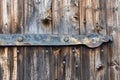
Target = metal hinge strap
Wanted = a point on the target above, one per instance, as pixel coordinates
(91, 40)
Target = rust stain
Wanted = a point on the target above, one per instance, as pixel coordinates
(75, 40)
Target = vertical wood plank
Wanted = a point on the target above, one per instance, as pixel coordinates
(109, 15)
(56, 68)
(76, 63)
(38, 20)
(40, 64)
(92, 64)
(6, 74)
(101, 54)
(47, 66)
(65, 21)
(89, 16)
(115, 57)
(10, 23)
(5, 16)
(29, 70)
(14, 64)
(86, 27)
(20, 63)
(38, 16)
(1, 21)
(103, 17)
(82, 12)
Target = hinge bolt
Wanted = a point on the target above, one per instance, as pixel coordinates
(66, 39)
(20, 39)
(94, 41)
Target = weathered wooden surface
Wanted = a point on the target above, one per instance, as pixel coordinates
(60, 17)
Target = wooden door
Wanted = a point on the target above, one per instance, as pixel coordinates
(75, 17)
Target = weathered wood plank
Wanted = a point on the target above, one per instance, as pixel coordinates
(13, 63)
(101, 54)
(60, 17)
(1, 20)
(20, 63)
(38, 20)
(82, 13)
(65, 17)
(47, 67)
(89, 16)
(115, 57)
(6, 74)
(56, 65)
(103, 16)
(85, 63)
(86, 26)
(65, 21)
(30, 64)
(5, 16)
(76, 63)
(37, 16)
(109, 16)
(9, 12)
(40, 64)
(92, 64)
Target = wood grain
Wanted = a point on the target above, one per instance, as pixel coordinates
(60, 17)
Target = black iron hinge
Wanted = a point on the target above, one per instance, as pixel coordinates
(91, 40)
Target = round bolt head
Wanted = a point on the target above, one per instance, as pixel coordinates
(20, 39)
(64, 62)
(66, 39)
(76, 66)
(46, 51)
(18, 51)
(102, 50)
(73, 50)
(93, 41)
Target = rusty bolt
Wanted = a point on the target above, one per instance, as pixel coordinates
(20, 39)
(102, 50)
(97, 25)
(46, 51)
(94, 41)
(64, 62)
(73, 50)
(18, 51)
(66, 39)
(76, 65)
